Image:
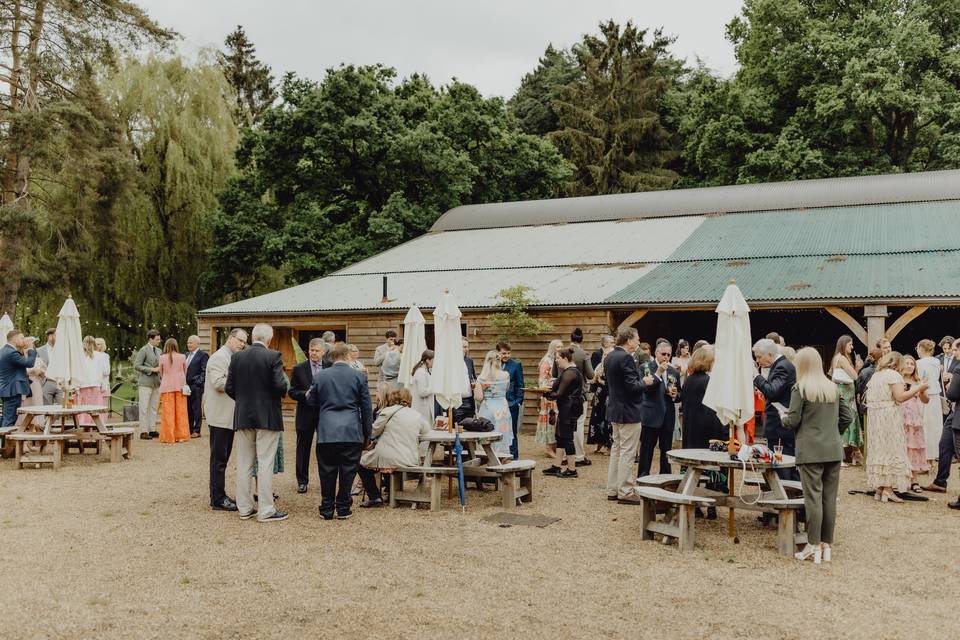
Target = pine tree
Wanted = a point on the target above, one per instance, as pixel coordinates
(532, 104)
(611, 128)
(251, 80)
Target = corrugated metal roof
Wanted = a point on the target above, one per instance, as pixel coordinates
(889, 228)
(903, 275)
(558, 245)
(800, 194)
(472, 289)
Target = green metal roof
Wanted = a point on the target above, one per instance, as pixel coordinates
(918, 275)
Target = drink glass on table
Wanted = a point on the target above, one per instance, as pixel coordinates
(778, 453)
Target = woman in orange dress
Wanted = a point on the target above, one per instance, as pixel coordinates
(174, 426)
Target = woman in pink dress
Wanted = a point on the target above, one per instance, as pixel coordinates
(913, 423)
(90, 393)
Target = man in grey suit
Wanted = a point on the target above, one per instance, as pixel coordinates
(147, 365)
(218, 407)
(345, 424)
(52, 393)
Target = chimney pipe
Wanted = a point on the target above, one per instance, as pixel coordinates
(385, 299)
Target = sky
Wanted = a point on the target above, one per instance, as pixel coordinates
(490, 44)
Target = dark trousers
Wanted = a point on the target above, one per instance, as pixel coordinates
(10, 406)
(464, 411)
(650, 438)
(515, 416)
(195, 408)
(304, 445)
(337, 463)
(369, 479)
(221, 444)
(949, 446)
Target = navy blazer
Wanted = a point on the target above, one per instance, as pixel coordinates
(343, 398)
(624, 388)
(256, 381)
(197, 370)
(13, 371)
(657, 410)
(301, 379)
(515, 388)
(776, 388)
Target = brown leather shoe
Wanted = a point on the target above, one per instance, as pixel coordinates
(936, 488)
(631, 498)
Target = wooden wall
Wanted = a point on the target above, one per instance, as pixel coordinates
(366, 331)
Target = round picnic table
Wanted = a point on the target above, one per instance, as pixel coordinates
(698, 461)
(471, 441)
(52, 413)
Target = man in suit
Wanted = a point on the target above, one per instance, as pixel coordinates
(514, 392)
(52, 393)
(256, 382)
(948, 439)
(301, 379)
(947, 357)
(606, 342)
(467, 408)
(582, 362)
(196, 377)
(147, 365)
(776, 388)
(658, 415)
(345, 424)
(16, 357)
(624, 390)
(218, 407)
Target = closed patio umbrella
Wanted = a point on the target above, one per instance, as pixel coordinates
(449, 371)
(414, 344)
(66, 360)
(6, 326)
(730, 388)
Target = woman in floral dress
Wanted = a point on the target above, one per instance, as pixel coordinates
(546, 432)
(491, 391)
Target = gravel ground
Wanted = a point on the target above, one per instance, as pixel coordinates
(132, 550)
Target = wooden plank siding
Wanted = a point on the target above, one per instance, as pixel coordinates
(366, 330)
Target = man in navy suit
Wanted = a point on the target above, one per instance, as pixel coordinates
(345, 424)
(776, 388)
(661, 389)
(196, 377)
(16, 357)
(301, 379)
(514, 391)
(623, 411)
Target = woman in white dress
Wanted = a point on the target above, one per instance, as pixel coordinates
(930, 369)
(102, 360)
(420, 387)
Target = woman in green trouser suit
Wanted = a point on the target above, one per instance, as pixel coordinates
(843, 370)
(819, 416)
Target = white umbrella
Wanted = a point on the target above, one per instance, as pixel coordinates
(66, 358)
(414, 344)
(6, 326)
(449, 370)
(730, 389)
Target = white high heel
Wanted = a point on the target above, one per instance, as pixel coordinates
(826, 553)
(810, 551)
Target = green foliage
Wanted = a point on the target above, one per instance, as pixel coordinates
(250, 79)
(533, 103)
(610, 124)
(515, 321)
(358, 163)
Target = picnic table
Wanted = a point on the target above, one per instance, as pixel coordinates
(514, 477)
(57, 433)
(689, 495)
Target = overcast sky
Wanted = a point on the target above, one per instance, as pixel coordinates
(488, 43)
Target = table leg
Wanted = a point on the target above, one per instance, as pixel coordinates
(493, 460)
(731, 525)
(691, 478)
(776, 487)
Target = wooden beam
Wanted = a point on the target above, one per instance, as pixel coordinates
(632, 318)
(908, 316)
(857, 329)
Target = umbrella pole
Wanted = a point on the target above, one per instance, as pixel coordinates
(731, 525)
(450, 453)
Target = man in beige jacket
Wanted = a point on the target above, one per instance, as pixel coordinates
(218, 409)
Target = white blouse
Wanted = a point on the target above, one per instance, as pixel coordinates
(930, 368)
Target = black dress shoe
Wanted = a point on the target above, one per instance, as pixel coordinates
(955, 504)
(154, 434)
(553, 470)
(326, 516)
(711, 513)
(146, 436)
(301, 488)
(224, 505)
(584, 463)
(371, 504)
(345, 516)
(277, 516)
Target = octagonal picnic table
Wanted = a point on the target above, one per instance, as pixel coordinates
(60, 421)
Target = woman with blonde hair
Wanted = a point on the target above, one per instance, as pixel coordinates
(174, 425)
(913, 423)
(888, 464)
(818, 414)
(546, 432)
(90, 392)
(931, 370)
(102, 359)
(491, 391)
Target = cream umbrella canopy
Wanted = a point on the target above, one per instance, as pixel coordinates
(414, 344)
(449, 371)
(6, 326)
(66, 359)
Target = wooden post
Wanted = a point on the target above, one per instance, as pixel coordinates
(876, 315)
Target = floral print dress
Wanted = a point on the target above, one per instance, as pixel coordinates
(494, 408)
(546, 432)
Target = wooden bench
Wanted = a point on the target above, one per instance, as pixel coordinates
(515, 481)
(668, 481)
(789, 536)
(55, 440)
(121, 440)
(793, 487)
(6, 448)
(422, 494)
(677, 525)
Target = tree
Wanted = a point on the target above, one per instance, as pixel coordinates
(533, 103)
(358, 163)
(515, 321)
(48, 46)
(611, 128)
(250, 79)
